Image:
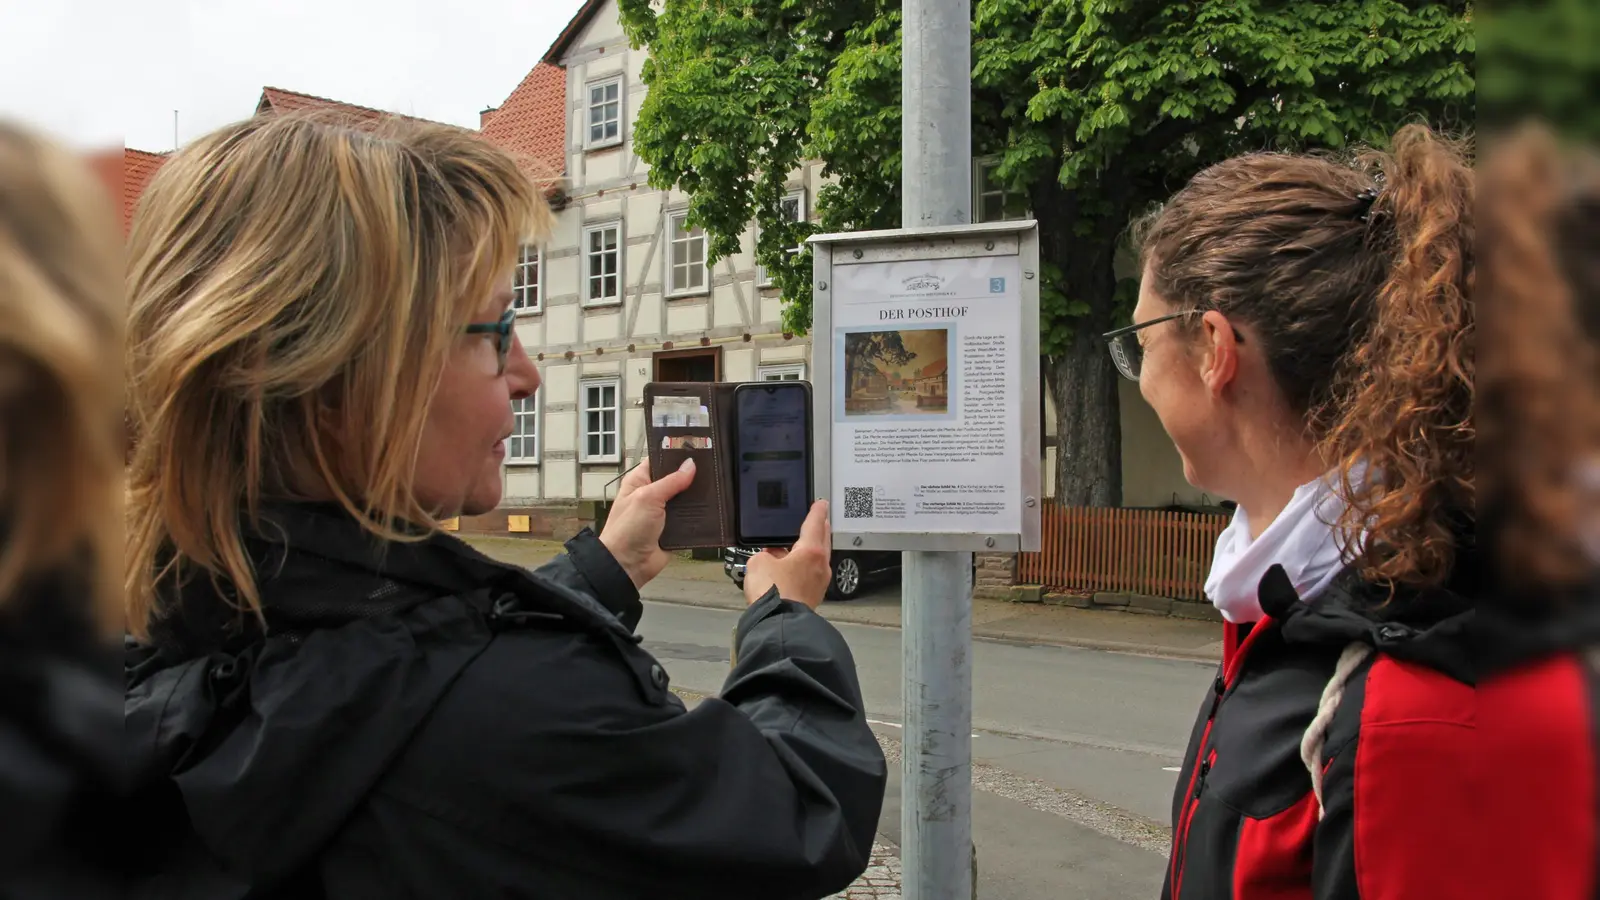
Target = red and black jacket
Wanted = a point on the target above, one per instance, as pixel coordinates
(1393, 820)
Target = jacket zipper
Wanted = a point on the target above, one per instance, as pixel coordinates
(1205, 758)
(1197, 786)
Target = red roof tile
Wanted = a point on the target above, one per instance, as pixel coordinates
(282, 101)
(138, 167)
(532, 123)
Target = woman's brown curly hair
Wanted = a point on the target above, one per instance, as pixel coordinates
(1357, 276)
(1539, 391)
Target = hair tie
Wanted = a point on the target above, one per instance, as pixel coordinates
(1366, 198)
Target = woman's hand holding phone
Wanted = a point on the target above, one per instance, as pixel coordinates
(800, 573)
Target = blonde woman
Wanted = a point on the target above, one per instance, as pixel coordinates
(60, 522)
(345, 702)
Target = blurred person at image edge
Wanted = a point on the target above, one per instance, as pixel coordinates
(60, 525)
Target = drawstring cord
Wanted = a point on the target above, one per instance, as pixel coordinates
(1311, 745)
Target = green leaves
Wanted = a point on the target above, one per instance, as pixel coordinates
(1095, 108)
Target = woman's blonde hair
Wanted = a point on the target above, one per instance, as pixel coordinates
(296, 285)
(60, 390)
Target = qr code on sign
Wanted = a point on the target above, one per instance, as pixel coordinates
(858, 503)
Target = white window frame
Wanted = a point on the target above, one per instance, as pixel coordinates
(589, 106)
(978, 193)
(584, 409)
(765, 372)
(675, 235)
(519, 295)
(763, 277)
(588, 254)
(518, 416)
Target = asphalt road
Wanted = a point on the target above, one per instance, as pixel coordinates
(1076, 749)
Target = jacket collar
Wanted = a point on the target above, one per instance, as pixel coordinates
(316, 566)
(1431, 627)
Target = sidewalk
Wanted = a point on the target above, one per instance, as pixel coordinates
(693, 583)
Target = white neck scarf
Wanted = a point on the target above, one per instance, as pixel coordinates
(1302, 539)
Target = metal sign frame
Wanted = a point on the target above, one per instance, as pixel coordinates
(1017, 238)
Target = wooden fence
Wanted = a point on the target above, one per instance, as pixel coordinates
(1143, 551)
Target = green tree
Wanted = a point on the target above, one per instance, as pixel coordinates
(862, 348)
(1096, 111)
(1539, 59)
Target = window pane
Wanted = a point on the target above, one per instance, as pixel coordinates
(791, 208)
(597, 95)
(697, 275)
(994, 208)
(612, 89)
(680, 253)
(610, 289)
(592, 445)
(609, 442)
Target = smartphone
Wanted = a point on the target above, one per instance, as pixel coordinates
(772, 446)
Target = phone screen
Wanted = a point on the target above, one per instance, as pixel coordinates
(774, 450)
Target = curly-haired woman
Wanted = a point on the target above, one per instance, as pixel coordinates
(1304, 333)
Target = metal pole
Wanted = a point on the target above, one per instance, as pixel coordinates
(937, 855)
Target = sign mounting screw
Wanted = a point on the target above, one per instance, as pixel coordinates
(859, 254)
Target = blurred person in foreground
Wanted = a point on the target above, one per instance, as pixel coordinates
(340, 700)
(1304, 333)
(1539, 409)
(60, 523)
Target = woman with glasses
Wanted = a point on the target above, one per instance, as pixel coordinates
(335, 699)
(1304, 332)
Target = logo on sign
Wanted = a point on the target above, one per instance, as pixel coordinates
(922, 283)
(997, 285)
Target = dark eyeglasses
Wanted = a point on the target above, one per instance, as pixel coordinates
(503, 332)
(1128, 353)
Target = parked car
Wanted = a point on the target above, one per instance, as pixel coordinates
(852, 569)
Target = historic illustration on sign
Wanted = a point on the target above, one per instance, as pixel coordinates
(902, 372)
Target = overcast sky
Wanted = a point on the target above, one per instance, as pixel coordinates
(100, 72)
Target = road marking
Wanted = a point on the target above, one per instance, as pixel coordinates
(1171, 769)
(897, 725)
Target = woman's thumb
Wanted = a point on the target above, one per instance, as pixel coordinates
(669, 486)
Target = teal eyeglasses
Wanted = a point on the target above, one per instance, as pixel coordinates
(503, 335)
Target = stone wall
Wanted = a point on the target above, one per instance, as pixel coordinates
(555, 522)
(993, 575)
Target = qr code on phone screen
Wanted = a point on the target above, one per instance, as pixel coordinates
(858, 503)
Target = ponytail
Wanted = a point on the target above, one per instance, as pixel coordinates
(1401, 402)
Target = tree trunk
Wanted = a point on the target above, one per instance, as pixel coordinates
(1083, 386)
(1083, 380)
